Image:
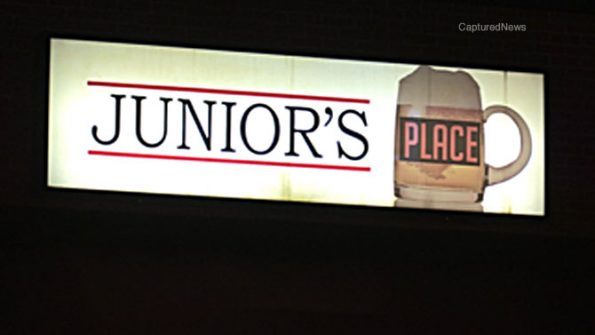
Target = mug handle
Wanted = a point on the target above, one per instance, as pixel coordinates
(499, 174)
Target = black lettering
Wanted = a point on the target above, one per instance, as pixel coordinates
(243, 129)
(303, 132)
(353, 134)
(94, 130)
(206, 137)
(228, 147)
(139, 134)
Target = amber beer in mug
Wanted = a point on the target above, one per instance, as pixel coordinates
(439, 144)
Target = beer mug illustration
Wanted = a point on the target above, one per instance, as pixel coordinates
(439, 143)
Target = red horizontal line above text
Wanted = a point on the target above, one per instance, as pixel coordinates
(230, 161)
(228, 92)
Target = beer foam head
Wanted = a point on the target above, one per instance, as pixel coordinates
(428, 87)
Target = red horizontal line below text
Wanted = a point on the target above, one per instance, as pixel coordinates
(230, 161)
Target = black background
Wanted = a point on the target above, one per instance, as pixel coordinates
(100, 262)
(470, 157)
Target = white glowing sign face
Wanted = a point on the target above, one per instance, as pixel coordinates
(165, 120)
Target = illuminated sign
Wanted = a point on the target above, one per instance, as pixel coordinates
(166, 120)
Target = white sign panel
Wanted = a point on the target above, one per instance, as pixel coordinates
(166, 120)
